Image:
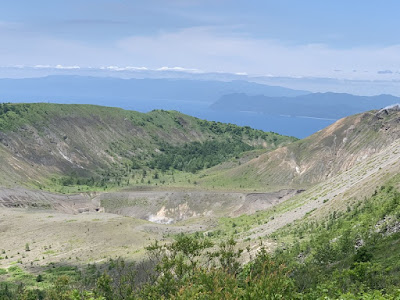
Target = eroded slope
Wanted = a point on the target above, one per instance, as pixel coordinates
(321, 156)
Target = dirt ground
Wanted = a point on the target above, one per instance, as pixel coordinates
(85, 228)
(77, 229)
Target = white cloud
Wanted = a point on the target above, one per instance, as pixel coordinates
(136, 68)
(59, 67)
(203, 49)
(128, 68)
(179, 69)
(67, 67)
(42, 66)
(214, 51)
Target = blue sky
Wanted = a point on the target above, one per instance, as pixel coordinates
(355, 39)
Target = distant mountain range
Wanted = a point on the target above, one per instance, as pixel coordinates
(122, 92)
(270, 108)
(315, 105)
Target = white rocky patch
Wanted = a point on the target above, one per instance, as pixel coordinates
(298, 170)
(69, 160)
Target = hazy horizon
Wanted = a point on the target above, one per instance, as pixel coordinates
(287, 43)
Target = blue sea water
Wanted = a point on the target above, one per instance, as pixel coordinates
(299, 127)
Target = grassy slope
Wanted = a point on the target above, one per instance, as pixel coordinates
(334, 194)
(350, 251)
(320, 247)
(314, 159)
(38, 141)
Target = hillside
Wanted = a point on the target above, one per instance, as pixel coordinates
(328, 252)
(42, 144)
(315, 105)
(319, 157)
(338, 239)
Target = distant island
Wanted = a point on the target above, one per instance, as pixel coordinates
(315, 105)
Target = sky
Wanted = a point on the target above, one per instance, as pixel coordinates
(342, 39)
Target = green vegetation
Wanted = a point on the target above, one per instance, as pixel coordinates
(196, 156)
(352, 254)
(355, 252)
(100, 148)
(188, 268)
(10, 116)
